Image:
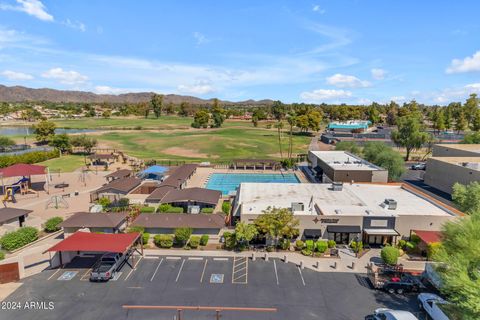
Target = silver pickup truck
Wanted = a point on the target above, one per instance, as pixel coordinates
(106, 266)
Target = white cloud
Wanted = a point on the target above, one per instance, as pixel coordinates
(34, 8)
(317, 8)
(77, 25)
(200, 87)
(378, 74)
(200, 38)
(65, 77)
(448, 95)
(12, 75)
(468, 64)
(321, 95)
(346, 81)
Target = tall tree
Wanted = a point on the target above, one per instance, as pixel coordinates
(277, 223)
(278, 112)
(201, 119)
(459, 256)
(470, 108)
(410, 134)
(218, 114)
(439, 121)
(156, 102)
(461, 122)
(245, 232)
(467, 197)
(475, 126)
(44, 131)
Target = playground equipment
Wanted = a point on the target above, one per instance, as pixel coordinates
(9, 195)
(57, 202)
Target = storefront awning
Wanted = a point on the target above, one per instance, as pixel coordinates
(381, 232)
(429, 236)
(312, 233)
(344, 229)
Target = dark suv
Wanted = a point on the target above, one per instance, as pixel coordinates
(404, 285)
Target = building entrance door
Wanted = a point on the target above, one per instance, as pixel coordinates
(342, 237)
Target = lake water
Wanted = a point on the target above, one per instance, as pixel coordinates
(19, 131)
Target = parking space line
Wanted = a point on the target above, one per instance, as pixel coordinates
(203, 272)
(195, 258)
(54, 274)
(301, 275)
(134, 267)
(276, 274)
(173, 258)
(156, 270)
(82, 278)
(220, 259)
(180, 270)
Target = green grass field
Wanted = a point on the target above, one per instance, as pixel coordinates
(216, 145)
(66, 163)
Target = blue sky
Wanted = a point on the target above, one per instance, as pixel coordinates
(294, 51)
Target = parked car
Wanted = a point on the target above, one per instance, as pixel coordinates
(388, 314)
(105, 268)
(403, 285)
(419, 166)
(430, 303)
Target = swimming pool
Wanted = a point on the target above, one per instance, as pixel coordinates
(227, 182)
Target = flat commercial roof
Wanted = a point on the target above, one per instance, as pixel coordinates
(462, 146)
(172, 220)
(7, 214)
(94, 220)
(97, 242)
(320, 199)
(342, 160)
(472, 163)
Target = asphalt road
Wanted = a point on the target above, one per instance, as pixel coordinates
(297, 294)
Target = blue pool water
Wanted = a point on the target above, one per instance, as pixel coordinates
(227, 182)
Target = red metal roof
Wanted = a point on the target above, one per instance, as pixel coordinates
(97, 242)
(22, 169)
(429, 236)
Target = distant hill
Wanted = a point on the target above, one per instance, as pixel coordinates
(23, 94)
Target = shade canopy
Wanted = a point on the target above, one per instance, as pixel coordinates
(22, 169)
(97, 242)
(344, 229)
(381, 232)
(429, 236)
(155, 169)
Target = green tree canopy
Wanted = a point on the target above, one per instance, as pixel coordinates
(244, 232)
(182, 235)
(201, 119)
(44, 131)
(467, 197)
(349, 146)
(84, 142)
(156, 102)
(460, 258)
(410, 134)
(61, 142)
(472, 138)
(6, 142)
(277, 223)
(384, 156)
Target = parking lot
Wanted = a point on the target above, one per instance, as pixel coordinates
(200, 281)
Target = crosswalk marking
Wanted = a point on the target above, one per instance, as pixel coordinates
(240, 270)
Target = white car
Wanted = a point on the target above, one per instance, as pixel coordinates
(389, 314)
(430, 303)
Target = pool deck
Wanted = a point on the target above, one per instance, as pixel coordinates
(200, 178)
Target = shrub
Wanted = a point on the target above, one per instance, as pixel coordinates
(310, 245)
(226, 206)
(104, 202)
(136, 229)
(2, 255)
(29, 158)
(357, 246)
(230, 240)
(307, 252)
(17, 239)
(163, 240)
(331, 243)
(52, 224)
(390, 255)
(415, 239)
(299, 244)
(284, 244)
(194, 242)
(182, 235)
(204, 240)
(206, 210)
(432, 249)
(147, 210)
(123, 202)
(401, 244)
(168, 208)
(322, 246)
(145, 237)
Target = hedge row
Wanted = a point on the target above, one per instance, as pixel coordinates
(168, 208)
(17, 239)
(31, 157)
(166, 241)
(53, 224)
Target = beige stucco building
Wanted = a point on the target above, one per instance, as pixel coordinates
(342, 166)
(456, 150)
(443, 172)
(373, 213)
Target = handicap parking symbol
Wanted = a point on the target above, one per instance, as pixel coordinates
(67, 275)
(216, 278)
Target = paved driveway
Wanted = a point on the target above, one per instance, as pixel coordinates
(197, 281)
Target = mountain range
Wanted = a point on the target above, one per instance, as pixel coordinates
(24, 94)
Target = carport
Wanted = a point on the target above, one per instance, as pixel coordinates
(80, 241)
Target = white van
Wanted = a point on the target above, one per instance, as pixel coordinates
(388, 314)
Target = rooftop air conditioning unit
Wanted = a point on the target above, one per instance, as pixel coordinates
(337, 186)
(297, 206)
(391, 204)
